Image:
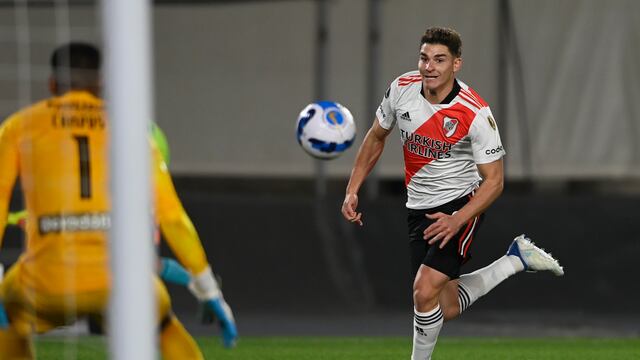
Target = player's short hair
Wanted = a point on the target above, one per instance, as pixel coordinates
(444, 36)
(76, 65)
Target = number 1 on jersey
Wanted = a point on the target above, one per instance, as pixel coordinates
(84, 166)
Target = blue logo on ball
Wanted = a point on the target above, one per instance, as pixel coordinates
(333, 117)
(332, 114)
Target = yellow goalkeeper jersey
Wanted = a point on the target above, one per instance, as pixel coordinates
(59, 149)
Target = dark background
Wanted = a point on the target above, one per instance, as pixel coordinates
(283, 252)
(290, 264)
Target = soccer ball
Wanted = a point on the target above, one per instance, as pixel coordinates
(325, 129)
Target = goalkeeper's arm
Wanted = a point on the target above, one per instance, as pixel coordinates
(185, 244)
(182, 238)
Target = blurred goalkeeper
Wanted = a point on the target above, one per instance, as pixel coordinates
(170, 271)
(58, 148)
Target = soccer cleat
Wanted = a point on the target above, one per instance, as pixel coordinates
(533, 258)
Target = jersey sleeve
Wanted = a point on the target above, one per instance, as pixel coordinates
(485, 138)
(386, 113)
(175, 224)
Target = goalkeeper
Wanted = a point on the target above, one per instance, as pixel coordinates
(58, 150)
(183, 240)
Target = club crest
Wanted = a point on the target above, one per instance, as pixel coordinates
(449, 125)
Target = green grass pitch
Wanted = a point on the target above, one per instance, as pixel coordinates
(371, 348)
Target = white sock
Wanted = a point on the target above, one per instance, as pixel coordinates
(426, 327)
(476, 284)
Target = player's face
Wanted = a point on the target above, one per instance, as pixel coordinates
(437, 66)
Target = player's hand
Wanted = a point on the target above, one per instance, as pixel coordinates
(443, 229)
(349, 207)
(4, 320)
(218, 310)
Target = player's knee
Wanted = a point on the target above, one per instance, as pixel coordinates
(424, 298)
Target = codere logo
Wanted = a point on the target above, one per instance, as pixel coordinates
(494, 151)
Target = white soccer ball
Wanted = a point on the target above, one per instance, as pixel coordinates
(325, 129)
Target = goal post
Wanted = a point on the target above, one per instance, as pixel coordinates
(128, 71)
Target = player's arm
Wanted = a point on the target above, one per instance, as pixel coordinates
(182, 238)
(446, 226)
(487, 153)
(8, 174)
(175, 224)
(366, 159)
(8, 170)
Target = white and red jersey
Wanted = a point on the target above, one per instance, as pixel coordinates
(442, 143)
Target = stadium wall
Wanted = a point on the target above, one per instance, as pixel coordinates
(280, 250)
(229, 96)
(231, 78)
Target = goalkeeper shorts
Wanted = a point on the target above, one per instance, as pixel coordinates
(30, 310)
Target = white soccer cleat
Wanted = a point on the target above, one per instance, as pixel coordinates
(534, 258)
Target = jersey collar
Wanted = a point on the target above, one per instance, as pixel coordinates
(454, 92)
(449, 98)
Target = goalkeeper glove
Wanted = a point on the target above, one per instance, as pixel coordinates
(205, 288)
(220, 310)
(4, 320)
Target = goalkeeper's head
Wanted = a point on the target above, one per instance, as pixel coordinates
(75, 66)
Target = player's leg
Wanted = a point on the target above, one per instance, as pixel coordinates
(449, 300)
(14, 345)
(435, 268)
(175, 341)
(521, 255)
(459, 294)
(15, 339)
(428, 317)
(430, 280)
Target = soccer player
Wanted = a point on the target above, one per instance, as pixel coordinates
(169, 270)
(58, 148)
(453, 172)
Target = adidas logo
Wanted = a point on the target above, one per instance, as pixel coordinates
(405, 116)
(420, 331)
